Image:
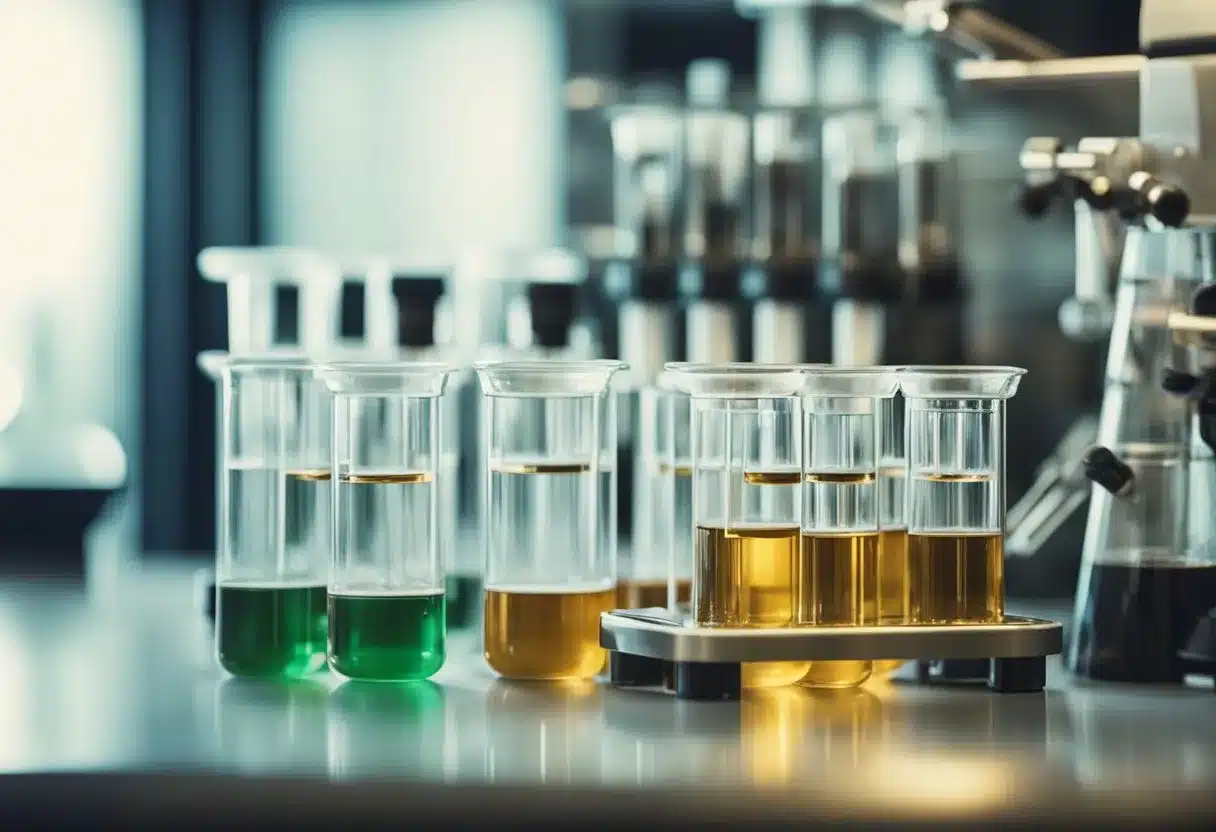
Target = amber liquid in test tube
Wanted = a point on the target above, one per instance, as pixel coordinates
(956, 491)
(747, 485)
(549, 428)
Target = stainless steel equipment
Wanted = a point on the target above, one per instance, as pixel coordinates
(1147, 576)
(707, 659)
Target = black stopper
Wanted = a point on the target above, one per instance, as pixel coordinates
(553, 308)
(1203, 301)
(1168, 204)
(1034, 200)
(417, 296)
(352, 301)
(1180, 383)
(1107, 470)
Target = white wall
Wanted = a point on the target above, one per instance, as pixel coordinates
(70, 132)
(417, 128)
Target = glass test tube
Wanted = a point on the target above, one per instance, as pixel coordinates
(271, 561)
(550, 526)
(956, 491)
(746, 499)
(892, 523)
(659, 570)
(461, 558)
(386, 586)
(839, 574)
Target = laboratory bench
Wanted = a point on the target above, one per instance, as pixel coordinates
(111, 705)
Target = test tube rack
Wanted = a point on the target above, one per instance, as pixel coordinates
(653, 647)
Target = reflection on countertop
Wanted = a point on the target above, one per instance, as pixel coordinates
(89, 685)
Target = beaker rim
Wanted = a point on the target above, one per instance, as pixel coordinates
(738, 379)
(959, 381)
(220, 264)
(385, 377)
(835, 381)
(256, 362)
(527, 378)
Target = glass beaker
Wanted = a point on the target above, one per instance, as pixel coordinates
(658, 572)
(956, 491)
(272, 558)
(278, 298)
(746, 499)
(892, 522)
(549, 531)
(838, 574)
(386, 586)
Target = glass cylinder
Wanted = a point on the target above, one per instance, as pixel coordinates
(658, 572)
(956, 491)
(860, 238)
(838, 576)
(746, 499)
(647, 145)
(386, 586)
(550, 531)
(272, 557)
(928, 201)
(892, 523)
(786, 193)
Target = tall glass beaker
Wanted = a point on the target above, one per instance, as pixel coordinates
(549, 533)
(746, 499)
(956, 491)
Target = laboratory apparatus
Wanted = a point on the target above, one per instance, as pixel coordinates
(786, 192)
(272, 560)
(278, 298)
(658, 570)
(838, 574)
(549, 534)
(57, 470)
(1147, 519)
(642, 277)
(386, 582)
(956, 491)
(1147, 575)
(892, 521)
(746, 500)
(416, 295)
(860, 266)
(714, 255)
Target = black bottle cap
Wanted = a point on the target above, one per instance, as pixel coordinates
(1203, 301)
(1180, 383)
(553, 307)
(1107, 470)
(417, 296)
(1169, 205)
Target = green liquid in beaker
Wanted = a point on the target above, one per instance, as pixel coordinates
(266, 629)
(387, 637)
(464, 599)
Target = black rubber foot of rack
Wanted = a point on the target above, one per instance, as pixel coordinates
(1027, 675)
(961, 670)
(703, 680)
(629, 671)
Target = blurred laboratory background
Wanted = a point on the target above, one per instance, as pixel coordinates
(479, 133)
